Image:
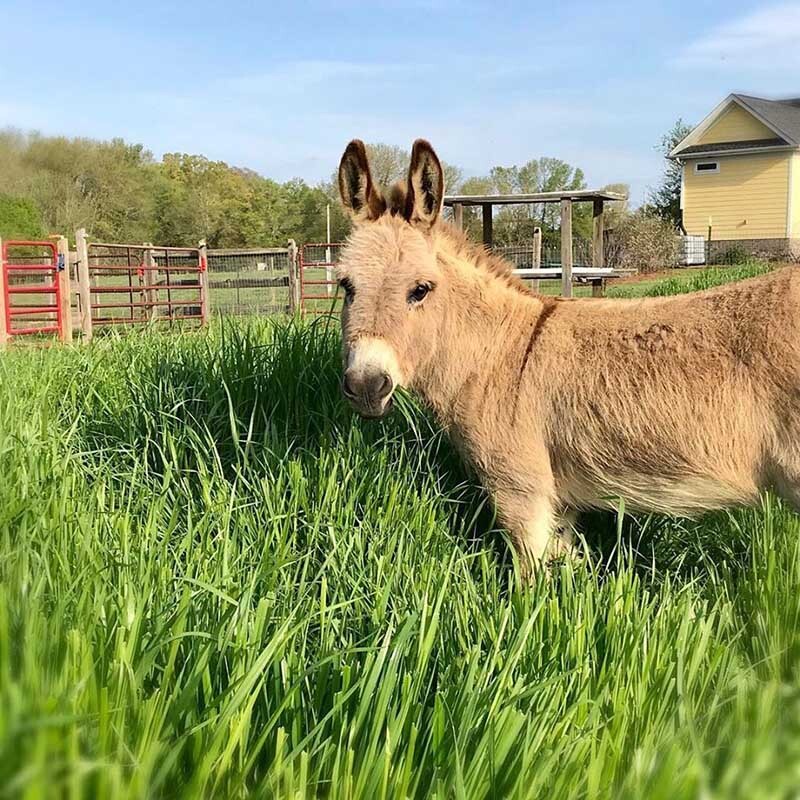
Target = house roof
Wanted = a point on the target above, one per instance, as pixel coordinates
(782, 117)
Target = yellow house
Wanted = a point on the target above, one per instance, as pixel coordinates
(741, 177)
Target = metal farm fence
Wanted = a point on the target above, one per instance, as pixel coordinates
(318, 286)
(524, 256)
(129, 284)
(251, 281)
(34, 290)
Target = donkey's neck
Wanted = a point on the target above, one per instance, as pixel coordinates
(487, 325)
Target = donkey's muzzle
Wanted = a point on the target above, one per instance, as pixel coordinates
(369, 392)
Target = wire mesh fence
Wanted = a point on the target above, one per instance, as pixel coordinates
(250, 281)
(523, 256)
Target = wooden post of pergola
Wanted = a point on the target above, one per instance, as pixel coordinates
(598, 242)
(597, 197)
(458, 216)
(598, 235)
(488, 236)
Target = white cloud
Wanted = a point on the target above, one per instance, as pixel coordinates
(767, 39)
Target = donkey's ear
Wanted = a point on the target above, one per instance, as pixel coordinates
(425, 185)
(359, 194)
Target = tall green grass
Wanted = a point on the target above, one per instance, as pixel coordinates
(215, 581)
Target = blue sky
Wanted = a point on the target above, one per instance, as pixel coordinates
(282, 87)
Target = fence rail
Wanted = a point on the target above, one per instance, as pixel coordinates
(113, 284)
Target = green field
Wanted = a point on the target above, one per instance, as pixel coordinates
(216, 581)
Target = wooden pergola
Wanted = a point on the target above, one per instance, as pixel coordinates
(597, 198)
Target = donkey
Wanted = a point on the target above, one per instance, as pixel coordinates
(677, 405)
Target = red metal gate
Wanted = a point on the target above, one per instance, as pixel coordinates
(318, 285)
(31, 288)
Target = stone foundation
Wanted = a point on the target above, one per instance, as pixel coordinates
(731, 250)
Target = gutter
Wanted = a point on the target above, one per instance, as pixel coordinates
(720, 153)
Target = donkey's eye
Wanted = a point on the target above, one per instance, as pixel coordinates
(349, 291)
(419, 292)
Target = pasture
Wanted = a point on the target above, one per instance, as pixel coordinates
(216, 581)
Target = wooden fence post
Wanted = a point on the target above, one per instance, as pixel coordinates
(151, 280)
(64, 288)
(566, 247)
(3, 324)
(205, 300)
(294, 278)
(84, 284)
(537, 255)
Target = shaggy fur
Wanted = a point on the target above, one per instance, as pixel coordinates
(678, 404)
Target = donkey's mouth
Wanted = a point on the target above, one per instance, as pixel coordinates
(373, 411)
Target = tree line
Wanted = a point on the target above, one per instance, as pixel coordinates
(120, 192)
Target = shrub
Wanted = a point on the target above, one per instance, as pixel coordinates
(736, 254)
(643, 242)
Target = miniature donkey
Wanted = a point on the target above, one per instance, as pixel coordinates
(678, 404)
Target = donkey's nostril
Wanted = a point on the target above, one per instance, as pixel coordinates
(349, 386)
(380, 385)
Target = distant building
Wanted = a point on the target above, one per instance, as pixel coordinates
(741, 177)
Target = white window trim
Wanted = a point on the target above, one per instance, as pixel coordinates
(706, 171)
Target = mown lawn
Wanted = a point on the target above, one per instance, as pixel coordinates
(215, 581)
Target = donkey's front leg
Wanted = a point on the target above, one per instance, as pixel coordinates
(537, 530)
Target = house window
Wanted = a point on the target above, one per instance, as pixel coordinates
(706, 166)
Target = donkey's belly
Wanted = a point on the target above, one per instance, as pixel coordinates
(684, 497)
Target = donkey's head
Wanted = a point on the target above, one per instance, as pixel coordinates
(388, 270)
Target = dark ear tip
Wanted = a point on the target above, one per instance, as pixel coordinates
(355, 146)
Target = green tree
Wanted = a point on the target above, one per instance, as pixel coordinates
(616, 212)
(203, 199)
(472, 215)
(665, 199)
(389, 163)
(515, 223)
(20, 218)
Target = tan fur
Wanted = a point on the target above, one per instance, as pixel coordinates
(678, 404)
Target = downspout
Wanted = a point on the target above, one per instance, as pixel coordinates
(681, 226)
